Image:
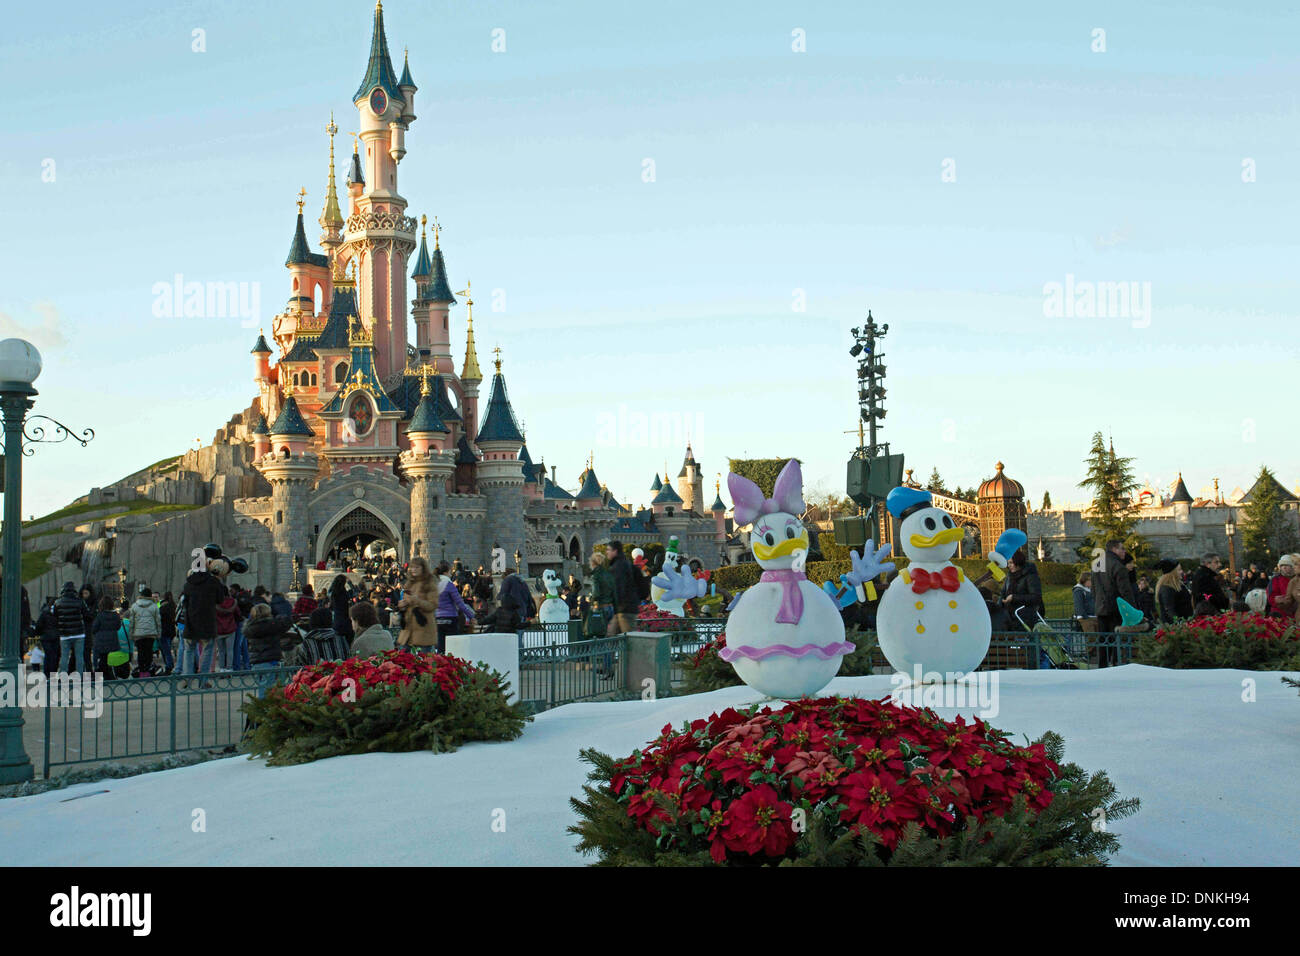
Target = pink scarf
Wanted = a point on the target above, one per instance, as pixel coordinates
(791, 600)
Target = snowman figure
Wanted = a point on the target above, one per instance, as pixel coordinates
(931, 618)
(667, 595)
(785, 636)
(554, 610)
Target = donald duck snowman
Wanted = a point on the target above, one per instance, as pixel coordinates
(932, 620)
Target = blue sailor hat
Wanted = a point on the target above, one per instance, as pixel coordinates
(904, 501)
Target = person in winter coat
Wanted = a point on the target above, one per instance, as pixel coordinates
(371, 638)
(521, 602)
(280, 605)
(202, 593)
(103, 631)
(1278, 588)
(1111, 582)
(602, 589)
(340, 598)
(1253, 578)
(306, 602)
(73, 618)
(88, 598)
(1022, 592)
(1085, 604)
(145, 626)
(1146, 598)
(227, 625)
(322, 642)
(47, 630)
(450, 606)
(167, 630)
(1207, 583)
(628, 589)
(419, 605)
(264, 632)
(1173, 600)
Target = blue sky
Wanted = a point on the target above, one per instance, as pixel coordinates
(778, 175)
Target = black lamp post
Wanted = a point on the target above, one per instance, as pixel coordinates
(518, 559)
(20, 364)
(1230, 529)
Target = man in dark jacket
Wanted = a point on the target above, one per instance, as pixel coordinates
(47, 629)
(1109, 583)
(1022, 592)
(628, 591)
(515, 594)
(1207, 585)
(202, 593)
(73, 618)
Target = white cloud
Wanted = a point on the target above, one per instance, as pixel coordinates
(46, 332)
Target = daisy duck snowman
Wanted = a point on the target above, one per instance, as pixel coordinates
(785, 636)
(932, 621)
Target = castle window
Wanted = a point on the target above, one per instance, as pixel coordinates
(313, 378)
(340, 372)
(279, 517)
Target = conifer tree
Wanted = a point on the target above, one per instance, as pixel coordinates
(1266, 534)
(935, 483)
(1047, 501)
(1113, 513)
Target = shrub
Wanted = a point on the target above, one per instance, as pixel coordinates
(841, 781)
(394, 702)
(1232, 640)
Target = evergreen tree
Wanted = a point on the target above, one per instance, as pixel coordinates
(935, 483)
(1266, 534)
(1047, 501)
(1114, 511)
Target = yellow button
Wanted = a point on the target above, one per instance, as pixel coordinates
(953, 628)
(920, 628)
(920, 605)
(952, 604)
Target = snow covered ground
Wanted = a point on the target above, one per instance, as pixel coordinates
(1216, 776)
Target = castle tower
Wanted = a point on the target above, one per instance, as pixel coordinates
(261, 353)
(382, 237)
(690, 485)
(589, 495)
(719, 514)
(428, 466)
(291, 469)
(261, 436)
(500, 476)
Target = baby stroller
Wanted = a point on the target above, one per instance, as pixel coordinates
(1056, 649)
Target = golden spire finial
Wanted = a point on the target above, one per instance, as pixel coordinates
(424, 380)
(302, 193)
(437, 229)
(423, 219)
(497, 352)
(288, 390)
(354, 140)
(717, 484)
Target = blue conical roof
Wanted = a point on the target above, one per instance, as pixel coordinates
(439, 290)
(666, 496)
(590, 486)
(426, 417)
(657, 484)
(526, 462)
(551, 490)
(423, 266)
(290, 421)
(379, 69)
(464, 453)
(499, 422)
(261, 346)
(717, 503)
(259, 425)
(406, 74)
(354, 170)
(298, 249)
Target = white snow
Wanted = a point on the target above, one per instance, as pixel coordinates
(1216, 776)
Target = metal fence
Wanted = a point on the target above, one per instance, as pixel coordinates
(148, 717)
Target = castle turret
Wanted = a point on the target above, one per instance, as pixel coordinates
(500, 476)
(261, 436)
(719, 511)
(261, 353)
(589, 495)
(408, 88)
(291, 470)
(428, 466)
(690, 485)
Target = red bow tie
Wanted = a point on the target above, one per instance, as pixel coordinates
(923, 580)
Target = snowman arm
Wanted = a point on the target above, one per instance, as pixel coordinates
(866, 568)
(678, 585)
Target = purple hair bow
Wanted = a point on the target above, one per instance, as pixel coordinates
(787, 495)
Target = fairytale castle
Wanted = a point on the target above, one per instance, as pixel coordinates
(365, 436)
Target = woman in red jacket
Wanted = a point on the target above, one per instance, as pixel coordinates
(227, 622)
(1279, 605)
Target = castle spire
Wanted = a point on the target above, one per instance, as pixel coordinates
(331, 215)
(470, 372)
(379, 68)
(423, 264)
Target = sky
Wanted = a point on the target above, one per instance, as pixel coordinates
(673, 214)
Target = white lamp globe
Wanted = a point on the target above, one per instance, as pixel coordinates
(19, 361)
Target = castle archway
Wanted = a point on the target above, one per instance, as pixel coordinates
(356, 526)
